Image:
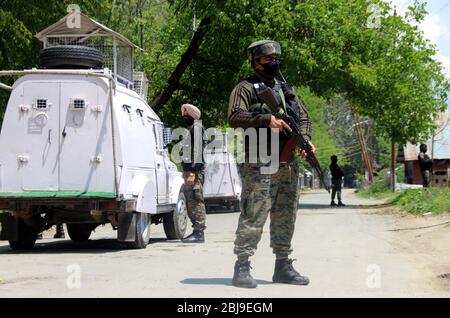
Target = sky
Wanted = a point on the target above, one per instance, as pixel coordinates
(436, 26)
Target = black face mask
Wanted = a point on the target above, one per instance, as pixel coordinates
(188, 120)
(272, 68)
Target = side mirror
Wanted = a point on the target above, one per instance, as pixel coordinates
(167, 136)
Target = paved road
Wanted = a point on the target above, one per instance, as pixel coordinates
(346, 252)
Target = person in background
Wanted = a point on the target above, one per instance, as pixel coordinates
(336, 181)
(426, 165)
(194, 173)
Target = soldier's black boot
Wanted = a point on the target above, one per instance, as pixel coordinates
(332, 203)
(340, 203)
(286, 274)
(59, 231)
(195, 237)
(242, 277)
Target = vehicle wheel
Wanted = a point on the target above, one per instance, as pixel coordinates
(26, 237)
(175, 222)
(79, 232)
(71, 57)
(142, 231)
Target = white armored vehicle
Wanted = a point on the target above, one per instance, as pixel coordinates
(80, 145)
(222, 186)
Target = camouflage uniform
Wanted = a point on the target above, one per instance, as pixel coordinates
(426, 166)
(195, 202)
(193, 163)
(336, 181)
(262, 194)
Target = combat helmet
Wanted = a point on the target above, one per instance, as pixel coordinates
(262, 48)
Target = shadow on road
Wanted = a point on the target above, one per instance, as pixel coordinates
(217, 281)
(217, 210)
(94, 246)
(313, 206)
(67, 246)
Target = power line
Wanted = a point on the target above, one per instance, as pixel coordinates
(334, 148)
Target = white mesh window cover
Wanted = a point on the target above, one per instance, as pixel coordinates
(159, 136)
(167, 138)
(140, 84)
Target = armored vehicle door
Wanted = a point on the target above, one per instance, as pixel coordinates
(38, 164)
(162, 175)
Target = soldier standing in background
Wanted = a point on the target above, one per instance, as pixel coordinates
(426, 165)
(194, 173)
(263, 194)
(336, 181)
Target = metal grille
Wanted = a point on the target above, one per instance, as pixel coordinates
(78, 104)
(105, 44)
(167, 136)
(41, 103)
(159, 136)
(140, 84)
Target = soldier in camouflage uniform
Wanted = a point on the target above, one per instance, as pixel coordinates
(336, 181)
(263, 194)
(426, 165)
(194, 173)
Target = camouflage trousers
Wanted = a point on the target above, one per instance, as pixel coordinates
(263, 194)
(336, 188)
(426, 176)
(195, 202)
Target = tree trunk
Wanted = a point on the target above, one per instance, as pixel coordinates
(393, 164)
(362, 143)
(172, 84)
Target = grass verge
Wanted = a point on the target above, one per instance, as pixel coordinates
(418, 201)
(434, 200)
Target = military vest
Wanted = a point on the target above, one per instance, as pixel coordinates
(259, 106)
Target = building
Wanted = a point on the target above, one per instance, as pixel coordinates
(438, 149)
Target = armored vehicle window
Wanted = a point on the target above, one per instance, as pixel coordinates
(41, 103)
(78, 104)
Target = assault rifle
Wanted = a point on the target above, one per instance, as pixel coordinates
(267, 95)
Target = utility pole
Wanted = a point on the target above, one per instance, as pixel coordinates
(393, 161)
(393, 166)
(362, 143)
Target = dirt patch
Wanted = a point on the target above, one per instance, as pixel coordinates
(422, 239)
(425, 239)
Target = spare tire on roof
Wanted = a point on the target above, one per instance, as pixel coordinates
(71, 57)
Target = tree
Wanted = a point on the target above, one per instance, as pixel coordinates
(387, 74)
(408, 88)
(323, 139)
